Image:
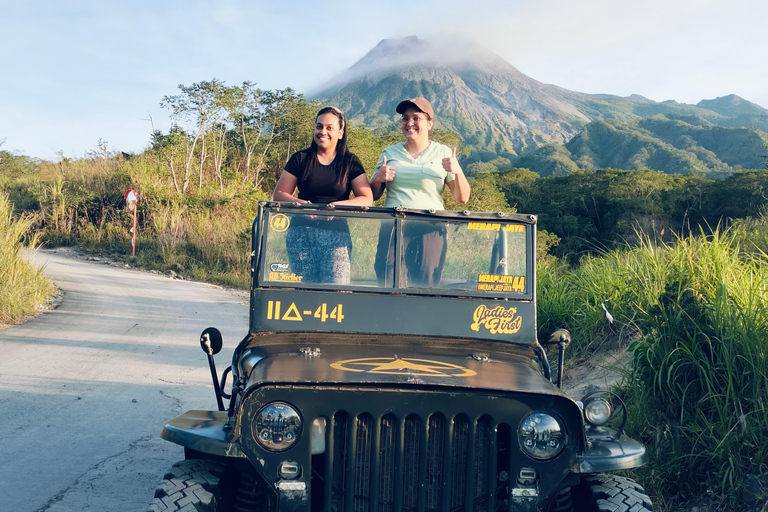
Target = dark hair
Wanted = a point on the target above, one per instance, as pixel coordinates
(341, 146)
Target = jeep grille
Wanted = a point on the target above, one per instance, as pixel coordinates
(446, 465)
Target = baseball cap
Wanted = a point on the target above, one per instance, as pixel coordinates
(418, 103)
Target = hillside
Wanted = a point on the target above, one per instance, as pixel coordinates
(673, 144)
(501, 112)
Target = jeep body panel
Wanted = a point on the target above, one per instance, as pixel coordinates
(452, 317)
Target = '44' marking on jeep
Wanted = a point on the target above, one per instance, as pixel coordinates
(292, 314)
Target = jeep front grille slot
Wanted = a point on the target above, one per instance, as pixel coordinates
(414, 464)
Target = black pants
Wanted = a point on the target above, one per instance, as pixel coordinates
(425, 246)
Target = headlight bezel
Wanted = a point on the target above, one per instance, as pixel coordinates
(618, 412)
(280, 431)
(543, 449)
(597, 410)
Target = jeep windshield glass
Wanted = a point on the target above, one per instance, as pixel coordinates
(413, 253)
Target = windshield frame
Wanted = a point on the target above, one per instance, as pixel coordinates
(400, 216)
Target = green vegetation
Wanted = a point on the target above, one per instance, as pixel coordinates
(698, 311)
(23, 287)
(595, 210)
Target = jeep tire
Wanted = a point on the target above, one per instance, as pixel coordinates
(195, 486)
(609, 493)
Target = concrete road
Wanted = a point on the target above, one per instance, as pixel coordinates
(85, 389)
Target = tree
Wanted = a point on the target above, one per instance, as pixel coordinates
(247, 110)
(262, 118)
(201, 103)
(449, 138)
(485, 197)
(519, 187)
(173, 148)
(291, 121)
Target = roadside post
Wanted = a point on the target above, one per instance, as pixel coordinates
(130, 203)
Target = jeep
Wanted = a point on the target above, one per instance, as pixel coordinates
(383, 392)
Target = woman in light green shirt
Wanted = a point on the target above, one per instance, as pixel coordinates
(414, 173)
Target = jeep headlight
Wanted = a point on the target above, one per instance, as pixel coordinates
(541, 436)
(277, 426)
(597, 410)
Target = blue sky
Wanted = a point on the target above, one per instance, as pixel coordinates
(76, 71)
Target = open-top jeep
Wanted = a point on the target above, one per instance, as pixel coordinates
(383, 393)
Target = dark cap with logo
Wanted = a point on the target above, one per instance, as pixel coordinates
(419, 103)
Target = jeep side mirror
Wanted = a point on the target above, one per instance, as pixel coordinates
(559, 340)
(211, 341)
(560, 335)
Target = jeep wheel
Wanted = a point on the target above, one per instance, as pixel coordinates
(609, 493)
(195, 486)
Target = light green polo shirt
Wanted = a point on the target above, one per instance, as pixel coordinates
(418, 182)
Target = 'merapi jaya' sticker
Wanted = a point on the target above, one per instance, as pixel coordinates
(405, 366)
(500, 283)
(495, 226)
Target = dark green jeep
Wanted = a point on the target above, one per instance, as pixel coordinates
(386, 392)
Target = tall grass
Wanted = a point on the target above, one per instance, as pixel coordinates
(697, 310)
(574, 299)
(700, 375)
(22, 285)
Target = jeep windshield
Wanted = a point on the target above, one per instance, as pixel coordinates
(391, 271)
(403, 251)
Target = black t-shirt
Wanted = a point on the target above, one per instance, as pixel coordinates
(321, 184)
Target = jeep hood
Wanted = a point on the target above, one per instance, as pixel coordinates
(397, 361)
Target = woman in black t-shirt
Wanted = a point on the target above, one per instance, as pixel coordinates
(326, 172)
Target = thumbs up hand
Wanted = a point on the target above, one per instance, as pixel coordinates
(386, 172)
(451, 163)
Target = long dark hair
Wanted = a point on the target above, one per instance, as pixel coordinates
(341, 146)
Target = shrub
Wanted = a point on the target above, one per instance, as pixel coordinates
(22, 285)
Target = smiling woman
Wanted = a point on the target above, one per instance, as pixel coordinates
(414, 174)
(325, 173)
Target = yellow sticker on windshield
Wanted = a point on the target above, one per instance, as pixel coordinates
(284, 277)
(495, 226)
(500, 283)
(483, 226)
(279, 222)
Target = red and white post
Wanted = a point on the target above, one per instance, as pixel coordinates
(130, 202)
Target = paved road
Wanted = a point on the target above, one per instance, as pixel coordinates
(85, 389)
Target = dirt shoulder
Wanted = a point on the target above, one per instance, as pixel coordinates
(602, 369)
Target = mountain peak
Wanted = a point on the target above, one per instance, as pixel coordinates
(395, 55)
(732, 105)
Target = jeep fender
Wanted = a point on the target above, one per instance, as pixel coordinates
(606, 452)
(202, 431)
